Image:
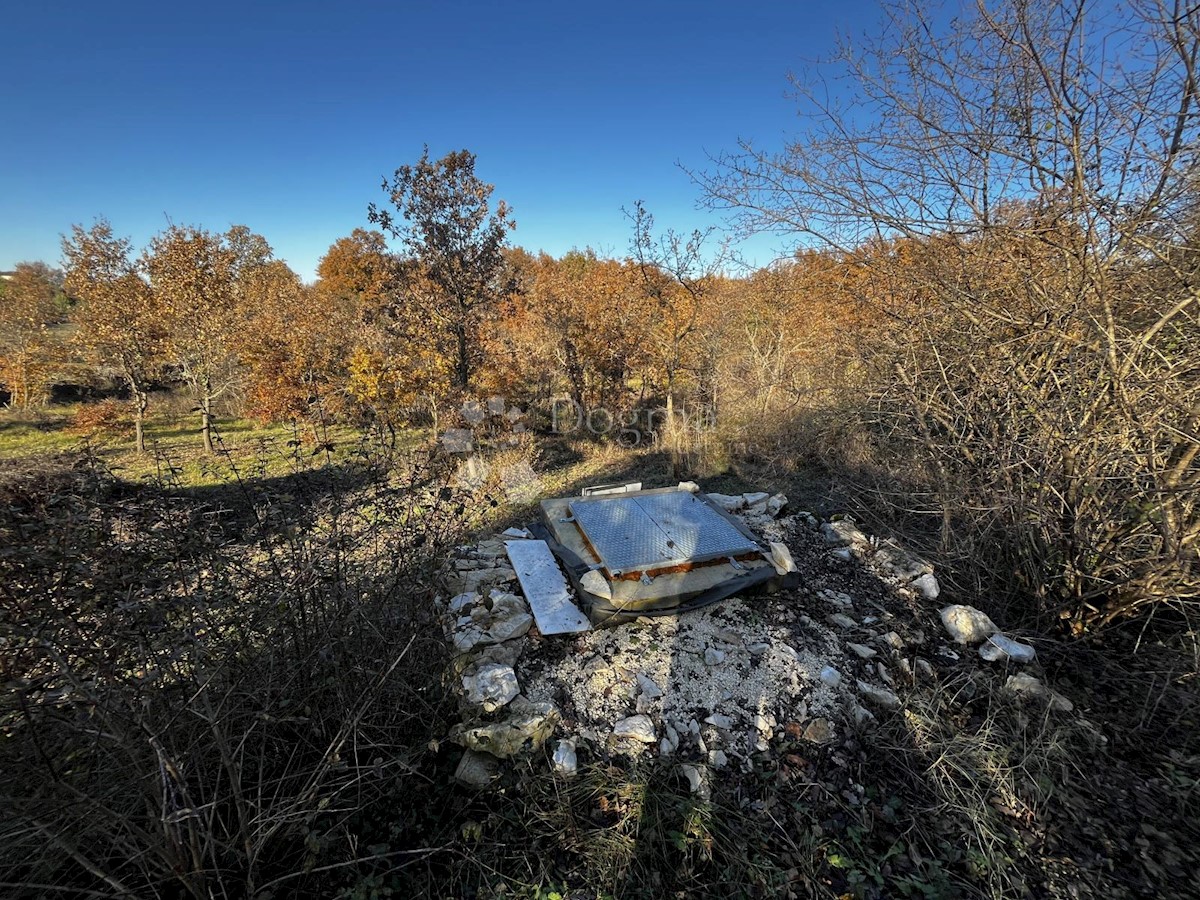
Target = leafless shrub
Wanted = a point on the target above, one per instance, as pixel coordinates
(1015, 193)
(203, 695)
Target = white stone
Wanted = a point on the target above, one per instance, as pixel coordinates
(843, 554)
(841, 620)
(776, 504)
(862, 651)
(717, 759)
(565, 760)
(893, 640)
(967, 625)
(842, 533)
(636, 728)
(594, 582)
(838, 598)
(831, 676)
(671, 736)
(510, 627)
(1027, 685)
(999, 647)
(927, 585)
(758, 648)
(492, 686)
(756, 501)
(727, 502)
(516, 533)
(713, 656)
(781, 558)
(694, 777)
(649, 687)
(463, 602)
(467, 638)
(878, 696)
(476, 769)
(719, 721)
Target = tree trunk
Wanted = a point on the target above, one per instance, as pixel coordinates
(206, 417)
(462, 373)
(141, 401)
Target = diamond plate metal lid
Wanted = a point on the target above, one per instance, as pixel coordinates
(657, 530)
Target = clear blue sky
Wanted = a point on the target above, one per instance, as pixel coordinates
(285, 117)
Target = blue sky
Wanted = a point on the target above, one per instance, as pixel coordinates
(285, 117)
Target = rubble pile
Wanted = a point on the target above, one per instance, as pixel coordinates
(711, 687)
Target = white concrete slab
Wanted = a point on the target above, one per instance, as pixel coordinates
(545, 588)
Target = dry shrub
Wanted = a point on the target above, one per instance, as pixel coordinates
(215, 697)
(104, 418)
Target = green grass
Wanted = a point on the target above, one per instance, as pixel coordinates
(173, 444)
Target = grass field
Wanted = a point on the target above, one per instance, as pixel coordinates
(173, 444)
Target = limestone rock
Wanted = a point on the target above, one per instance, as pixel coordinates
(648, 686)
(527, 729)
(476, 769)
(878, 696)
(462, 603)
(831, 676)
(776, 505)
(594, 582)
(713, 656)
(637, 728)
(841, 620)
(719, 721)
(467, 637)
(695, 779)
(727, 502)
(900, 562)
(843, 533)
(781, 558)
(967, 625)
(565, 761)
(492, 686)
(862, 651)
(893, 640)
(998, 647)
(510, 627)
(756, 501)
(927, 586)
(1028, 686)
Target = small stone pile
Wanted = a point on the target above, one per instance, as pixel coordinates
(711, 687)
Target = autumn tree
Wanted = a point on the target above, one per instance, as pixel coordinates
(30, 303)
(192, 274)
(677, 278)
(358, 270)
(283, 324)
(120, 323)
(444, 218)
(584, 319)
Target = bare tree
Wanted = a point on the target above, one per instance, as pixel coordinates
(1021, 181)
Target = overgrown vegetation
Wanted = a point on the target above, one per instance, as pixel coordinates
(221, 676)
